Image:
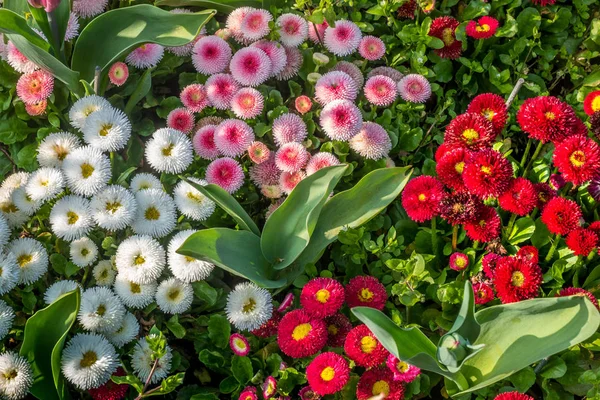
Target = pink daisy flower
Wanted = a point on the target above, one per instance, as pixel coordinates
(320, 161)
(316, 32)
(255, 24)
(227, 173)
(343, 39)
(303, 104)
(211, 55)
(204, 142)
(247, 103)
(271, 191)
(352, 70)
(35, 86)
(380, 90)
(276, 53)
(89, 8)
(288, 301)
(341, 120)
(233, 137)
(414, 88)
(371, 48)
(291, 157)
(220, 89)
(289, 180)
(250, 66)
(293, 30)
(18, 61)
(258, 152)
(288, 128)
(403, 372)
(265, 173)
(234, 22)
(36, 109)
(72, 27)
(239, 345)
(194, 97)
(335, 85)
(118, 73)
(146, 56)
(269, 387)
(294, 60)
(372, 142)
(181, 119)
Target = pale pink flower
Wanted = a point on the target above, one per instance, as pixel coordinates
(37, 108)
(255, 24)
(343, 39)
(294, 60)
(118, 73)
(372, 142)
(234, 22)
(194, 97)
(220, 89)
(250, 66)
(380, 90)
(247, 103)
(266, 173)
(181, 119)
(211, 55)
(335, 85)
(233, 137)
(34, 87)
(89, 8)
(18, 61)
(303, 104)
(293, 30)
(289, 180)
(317, 31)
(371, 48)
(341, 120)
(204, 142)
(288, 128)
(258, 152)
(415, 88)
(146, 56)
(276, 53)
(352, 70)
(291, 157)
(319, 161)
(227, 173)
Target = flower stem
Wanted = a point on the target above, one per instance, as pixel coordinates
(553, 248)
(536, 153)
(454, 237)
(154, 366)
(526, 153)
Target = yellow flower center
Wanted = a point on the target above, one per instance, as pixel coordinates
(139, 260)
(89, 358)
(365, 295)
(301, 331)
(104, 129)
(195, 197)
(518, 279)
(24, 259)
(459, 167)
(596, 103)
(402, 366)
(550, 115)
(249, 306)
(486, 169)
(322, 296)
(113, 207)
(174, 294)
(368, 344)
(381, 387)
(189, 259)
(86, 170)
(422, 197)
(328, 374)
(470, 135)
(85, 252)
(577, 158)
(60, 152)
(483, 28)
(489, 114)
(166, 151)
(101, 310)
(152, 214)
(135, 288)
(239, 343)
(10, 374)
(90, 109)
(460, 262)
(9, 208)
(448, 36)
(72, 218)
(332, 329)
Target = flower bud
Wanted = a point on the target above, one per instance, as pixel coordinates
(313, 77)
(320, 58)
(452, 350)
(48, 5)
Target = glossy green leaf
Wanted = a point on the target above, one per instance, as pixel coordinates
(129, 28)
(237, 252)
(45, 334)
(354, 207)
(228, 203)
(288, 230)
(223, 6)
(141, 90)
(523, 230)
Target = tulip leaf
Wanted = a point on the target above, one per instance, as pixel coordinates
(466, 325)
(223, 6)
(129, 28)
(288, 230)
(237, 252)
(45, 335)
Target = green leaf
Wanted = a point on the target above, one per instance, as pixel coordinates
(141, 90)
(219, 330)
(45, 334)
(175, 327)
(26, 157)
(528, 20)
(541, 235)
(521, 231)
(288, 230)
(237, 252)
(476, 8)
(205, 292)
(592, 79)
(241, 367)
(228, 203)
(212, 359)
(223, 6)
(555, 368)
(523, 380)
(129, 28)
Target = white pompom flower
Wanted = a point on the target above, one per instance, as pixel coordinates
(141, 259)
(249, 306)
(174, 296)
(142, 362)
(169, 151)
(84, 107)
(32, 259)
(129, 329)
(44, 184)
(55, 147)
(15, 180)
(7, 316)
(25, 203)
(134, 295)
(89, 360)
(101, 310)
(14, 216)
(59, 288)
(107, 129)
(104, 273)
(9, 272)
(83, 252)
(144, 181)
(16, 376)
(114, 208)
(87, 170)
(191, 202)
(184, 268)
(70, 218)
(156, 215)
(4, 231)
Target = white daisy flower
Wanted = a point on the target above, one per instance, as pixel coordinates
(169, 151)
(15, 181)
(16, 376)
(70, 218)
(101, 310)
(59, 288)
(24, 203)
(32, 259)
(7, 316)
(87, 170)
(248, 306)
(184, 268)
(174, 296)
(129, 329)
(55, 147)
(141, 259)
(44, 184)
(145, 181)
(4, 231)
(142, 362)
(107, 129)
(83, 252)
(9, 272)
(156, 215)
(134, 295)
(84, 107)
(89, 360)
(13, 214)
(104, 273)
(113, 208)
(191, 202)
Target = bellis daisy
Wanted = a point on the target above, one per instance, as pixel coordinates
(9, 272)
(220, 88)
(247, 103)
(489, 262)
(520, 198)
(319, 161)
(181, 119)
(88, 361)
(269, 328)
(338, 326)
(352, 70)
(379, 381)
(591, 103)
(380, 90)
(107, 129)
(571, 291)
(492, 107)
(128, 330)
(371, 48)
(328, 373)
(288, 128)
(582, 241)
(459, 261)
(233, 136)
(101, 310)
(143, 362)
(516, 279)
(471, 131)
(303, 104)
(248, 306)
(184, 268)
(55, 147)
(133, 294)
(258, 152)
(300, 334)
(294, 61)
(421, 198)
(459, 208)
(227, 173)
(372, 142)
(484, 28)
(250, 66)
(32, 259)
(70, 218)
(249, 393)
(561, 215)
(89, 8)
(84, 107)
(35, 86)
(546, 118)
(265, 173)
(114, 208)
(146, 56)
(444, 28)
(118, 73)
(239, 345)
(341, 120)
(485, 227)
(169, 151)
(293, 29)
(194, 97)
(141, 259)
(362, 346)
(291, 157)
(516, 395)
(191, 202)
(414, 88)
(392, 73)
(174, 296)
(322, 297)
(104, 273)
(83, 252)
(577, 159)
(335, 85)
(87, 170)
(450, 168)
(343, 39)
(144, 181)
(316, 32)
(483, 293)
(211, 55)
(44, 184)
(289, 180)
(487, 173)
(403, 371)
(18, 61)
(255, 24)
(58, 288)
(16, 376)
(7, 316)
(365, 291)
(276, 53)
(204, 142)
(36, 109)
(156, 215)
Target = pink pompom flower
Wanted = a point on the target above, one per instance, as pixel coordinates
(293, 29)
(227, 173)
(288, 128)
(303, 104)
(380, 90)
(344, 39)
(372, 142)
(146, 56)
(34, 87)
(234, 22)
(18, 61)
(239, 345)
(255, 24)
(181, 119)
(247, 103)
(341, 120)
(233, 137)
(194, 97)
(89, 8)
(276, 53)
(204, 142)
(258, 152)
(316, 32)
(403, 371)
(265, 173)
(335, 85)
(118, 73)
(294, 60)
(289, 180)
(414, 88)
(320, 161)
(220, 89)
(211, 55)
(36, 109)
(371, 48)
(459, 261)
(291, 157)
(250, 66)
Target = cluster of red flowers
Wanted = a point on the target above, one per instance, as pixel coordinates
(444, 28)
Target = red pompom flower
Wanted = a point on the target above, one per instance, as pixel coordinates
(421, 196)
(365, 291)
(322, 297)
(459, 208)
(514, 395)
(520, 198)
(487, 173)
(591, 104)
(546, 118)
(377, 381)
(362, 346)
(577, 158)
(516, 279)
(545, 193)
(571, 291)
(328, 373)
(338, 326)
(444, 28)
(451, 166)
(483, 28)
(582, 241)
(529, 252)
(561, 215)
(471, 131)
(492, 107)
(486, 227)
(483, 293)
(301, 335)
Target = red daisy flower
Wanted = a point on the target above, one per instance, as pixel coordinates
(442, 150)
(595, 226)
(546, 118)
(403, 371)
(471, 131)
(486, 227)
(110, 390)
(301, 335)
(582, 241)
(561, 215)
(459, 261)
(328, 373)
(407, 10)
(489, 262)
(515, 395)
(545, 193)
(483, 28)
(591, 104)
(516, 279)
(487, 173)
(492, 107)
(365, 291)
(571, 291)
(378, 381)
(444, 28)
(338, 326)
(322, 297)
(421, 196)
(269, 387)
(577, 158)
(450, 167)
(483, 293)
(459, 208)
(595, 124)
(249, 393)
(269, 328)
(529, 252)
(362, 346)
(520, 198)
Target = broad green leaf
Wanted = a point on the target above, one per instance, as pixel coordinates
(288, 230)
(18, 6)
(45, 334)
(465, 324)
(237, 252)
(241, 368)
(219, 330)
(223, 6)
(141, 90)
(129, 28)
(521, 231)
(228, 203)
(354, 207)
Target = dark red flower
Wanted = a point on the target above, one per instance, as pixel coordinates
(365, 291)
(450, 168)
(546, 118)
(520, 198)
(595, 226)
(577, 158)
(322, 297)
(571, 291)
(516, 279)
(444, 28)
(561, 215)
(483, 293)
(379, 380)
(301, 335)
(582, 241)
(516, 395)
(487, 173)
(338, 326)
(529, 252)
(557, 181)
(421, 196)
(483, 28)
(492, 107)
(486, 227)
(471, 131)
(591, 104)
(327, 373)
(407, 10)
(595, 124)
(460, 208)
(489, 263)
(544, 194)
(364, 348)
(269, 328)
(110, 390)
